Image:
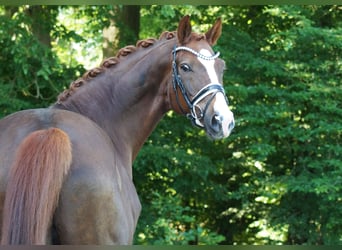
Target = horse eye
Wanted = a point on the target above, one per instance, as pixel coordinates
(185, 67)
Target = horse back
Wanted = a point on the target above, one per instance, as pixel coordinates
(83, 133)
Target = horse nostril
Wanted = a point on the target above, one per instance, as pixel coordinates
(216, 122)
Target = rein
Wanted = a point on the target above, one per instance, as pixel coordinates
(196, 112)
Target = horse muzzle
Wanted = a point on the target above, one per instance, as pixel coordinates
(219, 121)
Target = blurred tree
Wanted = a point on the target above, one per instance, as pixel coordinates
(42, 20)
(29, 72)
(284, 71)
(282, 81)
(123, 28)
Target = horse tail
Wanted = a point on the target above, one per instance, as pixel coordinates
(35, 180)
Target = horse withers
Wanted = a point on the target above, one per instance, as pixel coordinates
(66, 170)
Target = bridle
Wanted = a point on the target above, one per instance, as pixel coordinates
(196, 112)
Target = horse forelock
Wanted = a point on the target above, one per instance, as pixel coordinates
(110, 62)
(195, 37)
(199, 37)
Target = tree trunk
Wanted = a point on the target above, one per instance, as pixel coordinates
(123, 29)
(42, 22)
(110, 39)
(131, 23)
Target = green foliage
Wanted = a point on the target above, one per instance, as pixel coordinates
(30, 74)
(80, 27)
(288, 107)
(276, 179)
(179, 179)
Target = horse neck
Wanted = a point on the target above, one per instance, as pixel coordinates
(132, 98)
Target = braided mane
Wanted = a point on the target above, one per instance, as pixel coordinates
(110, 62)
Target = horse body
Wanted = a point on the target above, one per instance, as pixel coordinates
(106, 117)
(97, 182)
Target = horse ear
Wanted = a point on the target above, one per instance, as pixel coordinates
(184, 30)
(214, 33)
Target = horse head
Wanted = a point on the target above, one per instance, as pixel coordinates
(197, 76)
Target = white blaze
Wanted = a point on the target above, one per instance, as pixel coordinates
(221, 108)
(209, 65)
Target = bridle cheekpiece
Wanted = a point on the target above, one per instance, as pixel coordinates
(196, 112)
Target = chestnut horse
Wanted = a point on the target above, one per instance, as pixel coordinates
(66, 170)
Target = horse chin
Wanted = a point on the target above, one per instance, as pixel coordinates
(214, 135)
